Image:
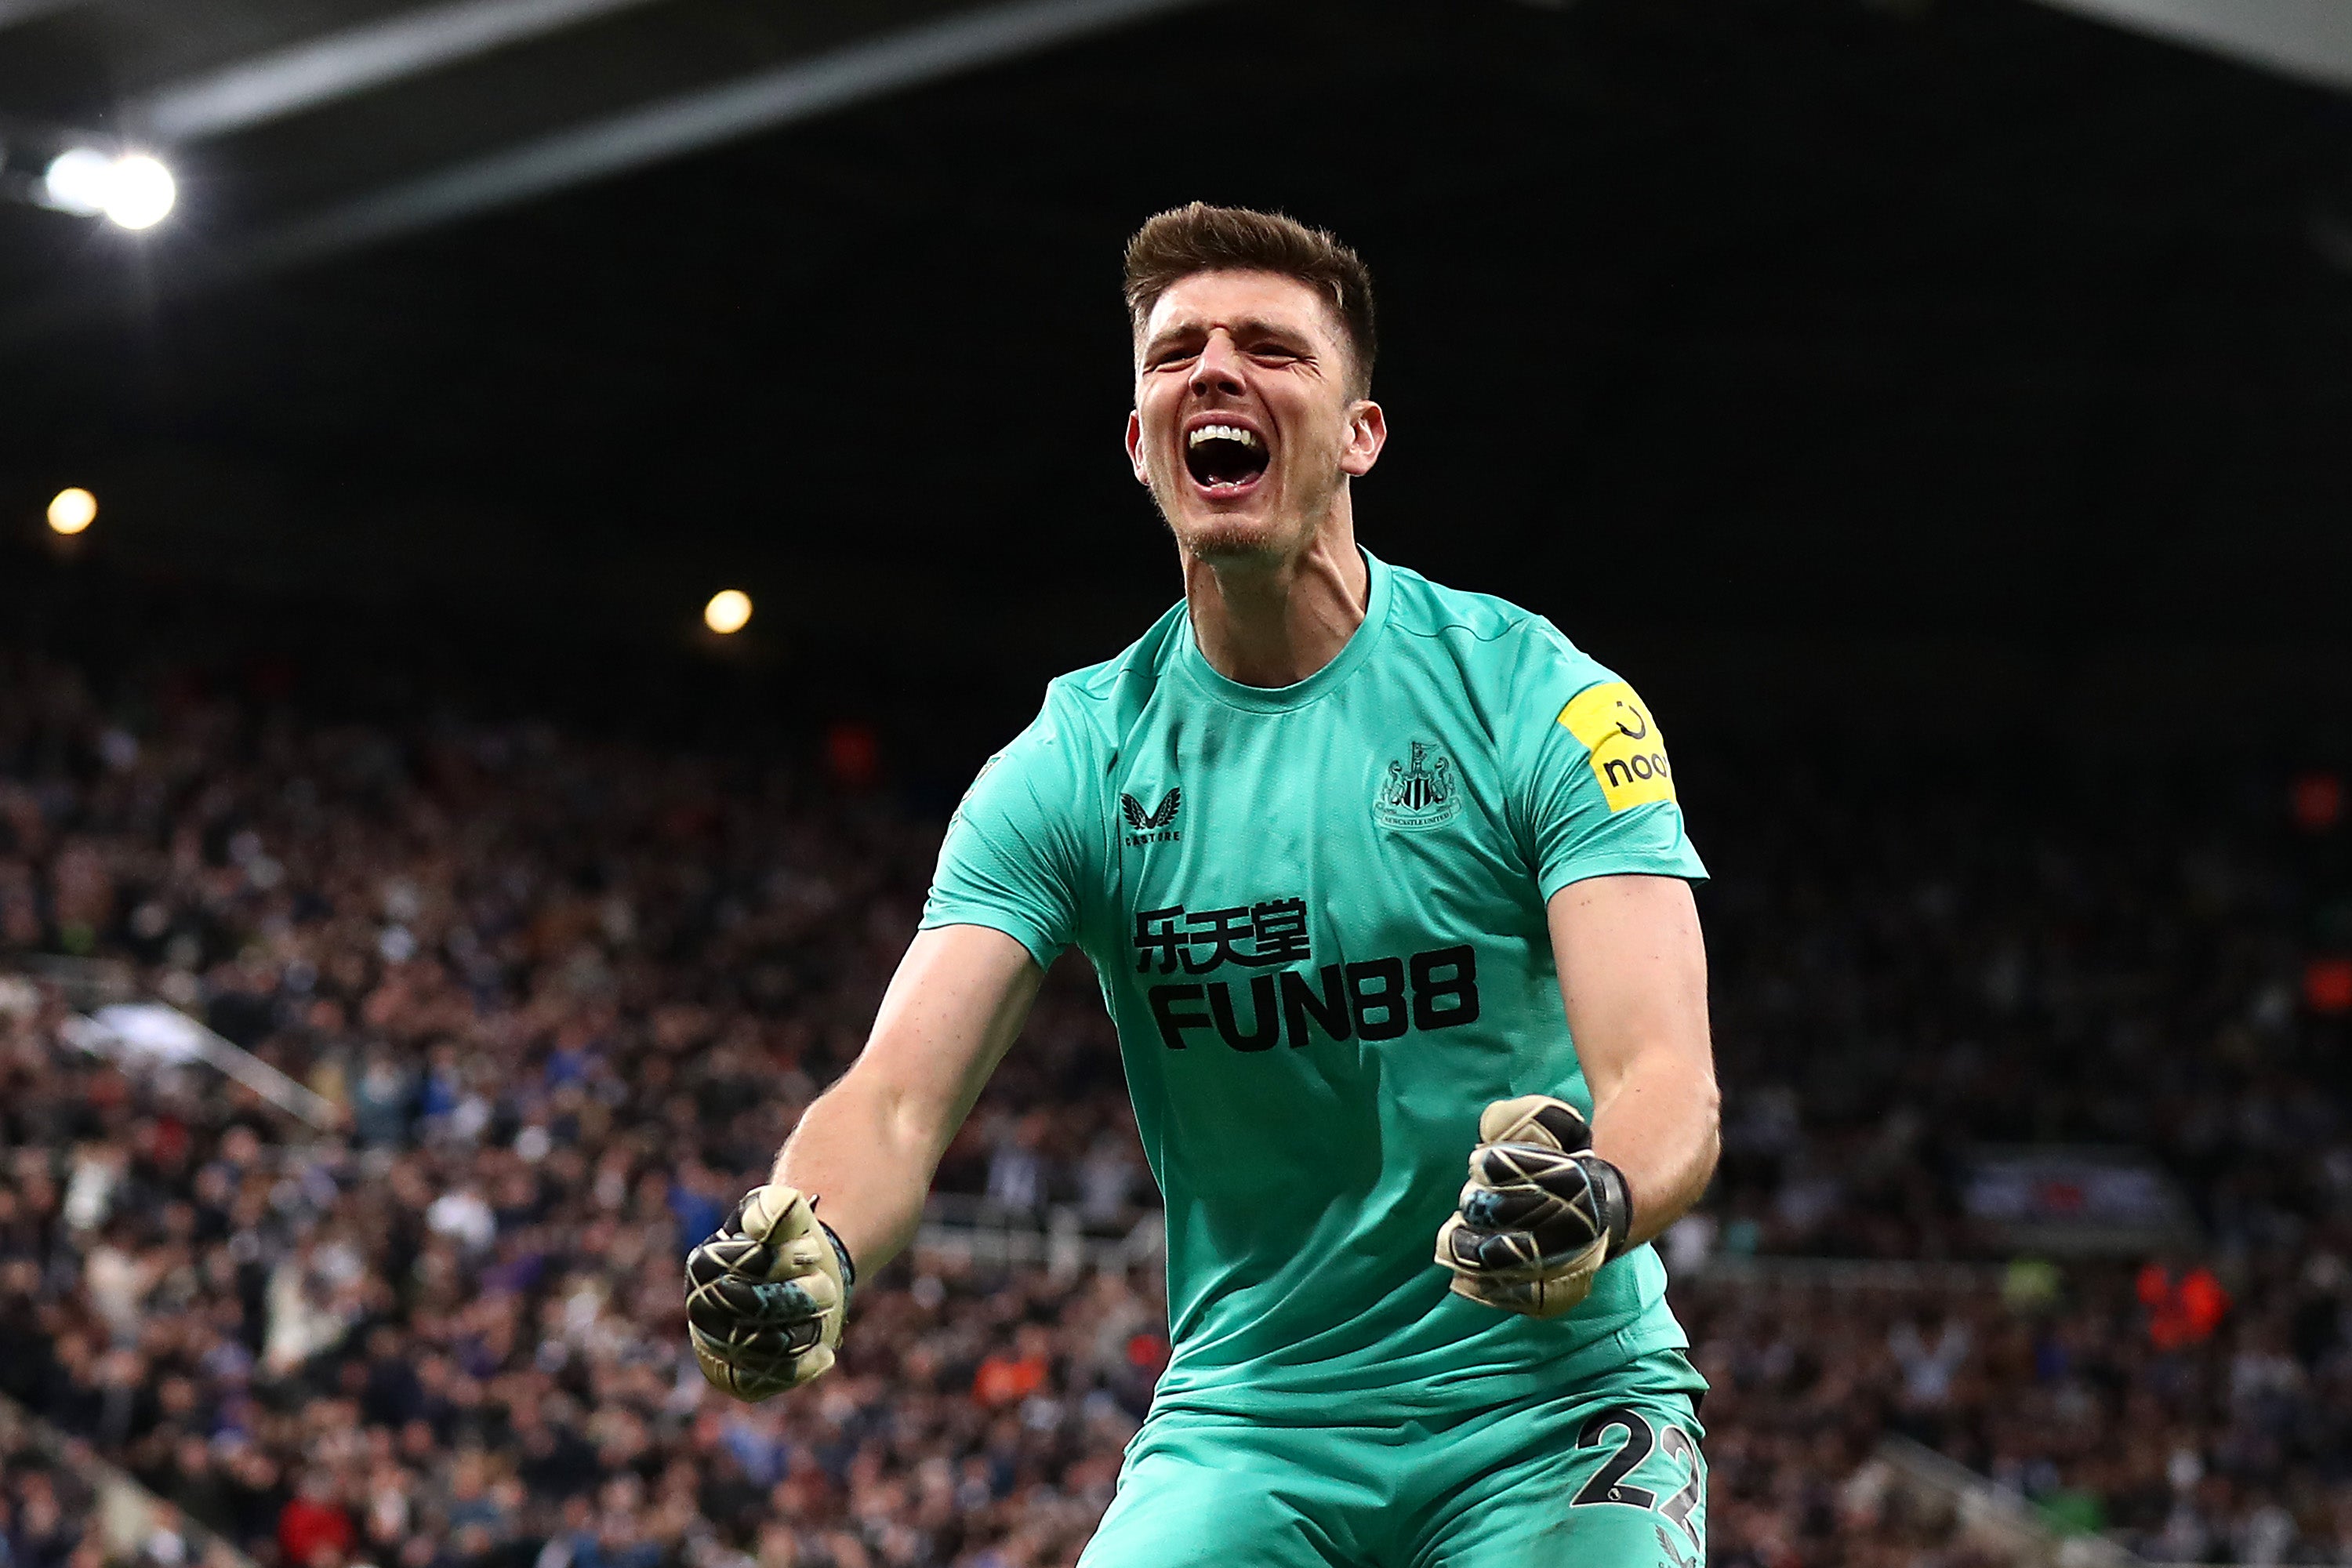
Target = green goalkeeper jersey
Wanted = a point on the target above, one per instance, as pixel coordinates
(1317, 916)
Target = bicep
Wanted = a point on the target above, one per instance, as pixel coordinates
(954, 1007)
(1633, 976)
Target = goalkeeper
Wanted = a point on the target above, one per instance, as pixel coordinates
(1381, 880)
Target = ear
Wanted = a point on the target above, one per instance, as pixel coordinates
(1368, 432)
(1135, 447)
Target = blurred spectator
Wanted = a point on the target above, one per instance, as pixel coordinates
(2184, 1307)
(1008, 1377)
(313, 1530)
(1928, 1365)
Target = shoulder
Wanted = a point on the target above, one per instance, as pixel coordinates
(1499, 647)
(1081, 723)
(1102, 700)
(1419, 608)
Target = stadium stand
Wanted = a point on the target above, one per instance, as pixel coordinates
(565, 996)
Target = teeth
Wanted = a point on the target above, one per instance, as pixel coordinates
(1221, 433)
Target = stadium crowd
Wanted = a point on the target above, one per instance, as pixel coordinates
(566, 995)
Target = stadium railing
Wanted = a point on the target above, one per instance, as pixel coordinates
(1896, 1275)
(129, 1515)
(1995, 1517)
(974, 1232)
(112, 1019)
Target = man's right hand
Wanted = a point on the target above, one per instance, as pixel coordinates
(765, 1296)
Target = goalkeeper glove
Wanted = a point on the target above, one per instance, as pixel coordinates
(1541, 1213)
(765, 1294)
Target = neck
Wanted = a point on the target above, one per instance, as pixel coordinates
(1275, 623)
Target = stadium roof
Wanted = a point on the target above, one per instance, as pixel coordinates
(309, 127)
(2307, 38)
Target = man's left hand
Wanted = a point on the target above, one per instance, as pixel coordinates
(1541, 1212)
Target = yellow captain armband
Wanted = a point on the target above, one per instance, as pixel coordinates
(1629, 756)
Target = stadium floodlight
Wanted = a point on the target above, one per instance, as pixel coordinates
(141, 191)
(72, 510)
(133, 190)
(728, 612)
(77, 180)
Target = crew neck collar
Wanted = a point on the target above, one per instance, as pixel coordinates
(1281, 699)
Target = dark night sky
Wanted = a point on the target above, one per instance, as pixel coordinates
(1783, 325)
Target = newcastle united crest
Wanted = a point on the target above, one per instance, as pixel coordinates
(1422, 793)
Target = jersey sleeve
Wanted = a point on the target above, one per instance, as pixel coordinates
(1593, 785)
(1015, 853)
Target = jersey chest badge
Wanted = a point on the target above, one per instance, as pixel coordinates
(1419, 790)
(1156, 825)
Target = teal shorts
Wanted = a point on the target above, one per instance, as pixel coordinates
(1602, 1477)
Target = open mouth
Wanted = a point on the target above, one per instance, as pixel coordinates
(1224, 458)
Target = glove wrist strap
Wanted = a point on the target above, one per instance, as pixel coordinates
(1612, 1200)
(849, 1269)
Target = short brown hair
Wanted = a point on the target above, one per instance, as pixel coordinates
(1174, 245)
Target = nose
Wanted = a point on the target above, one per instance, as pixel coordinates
(1219, 367)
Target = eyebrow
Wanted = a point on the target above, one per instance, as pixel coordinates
(1248, 327)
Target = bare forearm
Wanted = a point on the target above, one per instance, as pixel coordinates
(1657, 1125)
(869, 1162)
(1633, 976)
(868, 1147)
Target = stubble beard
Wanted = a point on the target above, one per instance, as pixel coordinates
(1265, 538)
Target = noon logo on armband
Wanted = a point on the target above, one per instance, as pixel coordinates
(1629, 756)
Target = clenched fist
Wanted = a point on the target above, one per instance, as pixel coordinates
(765, 1294)
(1540, 1213)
